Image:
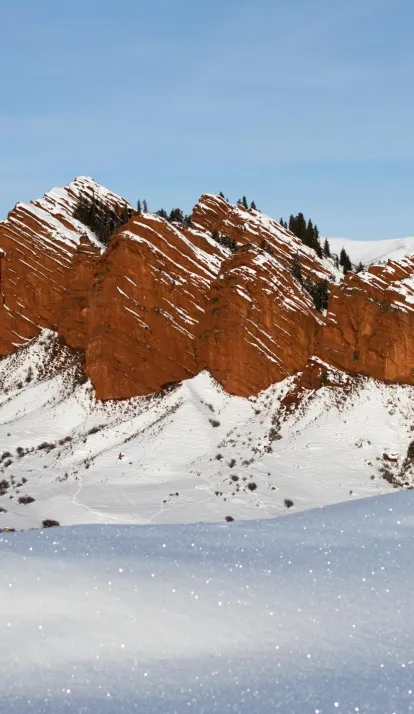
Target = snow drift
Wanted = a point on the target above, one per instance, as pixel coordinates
(306, 615)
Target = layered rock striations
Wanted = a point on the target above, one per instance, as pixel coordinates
(259, 327)
(148, 299)
(163, 301)
(370, 323)
(169, 301)
(40, 243)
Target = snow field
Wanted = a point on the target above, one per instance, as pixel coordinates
(194, 454)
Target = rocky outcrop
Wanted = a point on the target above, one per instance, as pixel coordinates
(163, 301)
(149, 296)
(260, 326)
(74, 310)
(40, 242)
(170, 301)
(248, 226)
(370, 323)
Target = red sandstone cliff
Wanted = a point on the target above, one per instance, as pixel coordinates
(163, 302)
(39, 267)
(370, 323)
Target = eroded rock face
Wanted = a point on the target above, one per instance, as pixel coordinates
(40, 243)
(148, 299)
(163, 301)
(247, 226)
(260, 326)
(169, 301)
(370, 323)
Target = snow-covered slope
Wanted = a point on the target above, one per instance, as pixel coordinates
(193, 453)
(373, 251)
(302, 615)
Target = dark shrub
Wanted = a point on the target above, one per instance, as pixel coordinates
(48, 523)
(229, 519)
(234, 478)
(232, 463)
(94, 430)
(288, 503)
(252, 486)
(46, 446)
(219, 457)
(214, 422)
(4, 485)
(25, 500)
(274, 434)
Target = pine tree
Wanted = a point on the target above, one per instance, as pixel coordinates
(296, 269)
(244, 202)
(321, 295)
(319, 292)
(187, 221)
(162, 214)
(221, 194)
(301, 227)
(145, 206)
(345, 261)
(253, 206)
(326, 249)
(309, 235)
(176, 216)
(228, 243)
(239, 202)
(318, 248)
(139, 207)
(360, 267)
(100, 217)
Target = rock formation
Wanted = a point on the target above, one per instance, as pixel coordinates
(370, 323)
(163, 301)
(40, 242)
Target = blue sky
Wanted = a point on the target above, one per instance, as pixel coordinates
(304, 105)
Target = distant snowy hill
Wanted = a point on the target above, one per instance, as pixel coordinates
(301, 615)
(374, 251)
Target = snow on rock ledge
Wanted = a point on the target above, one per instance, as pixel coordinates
(165, 301)
(41, 240)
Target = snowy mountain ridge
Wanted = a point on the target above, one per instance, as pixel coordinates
(373, 251)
